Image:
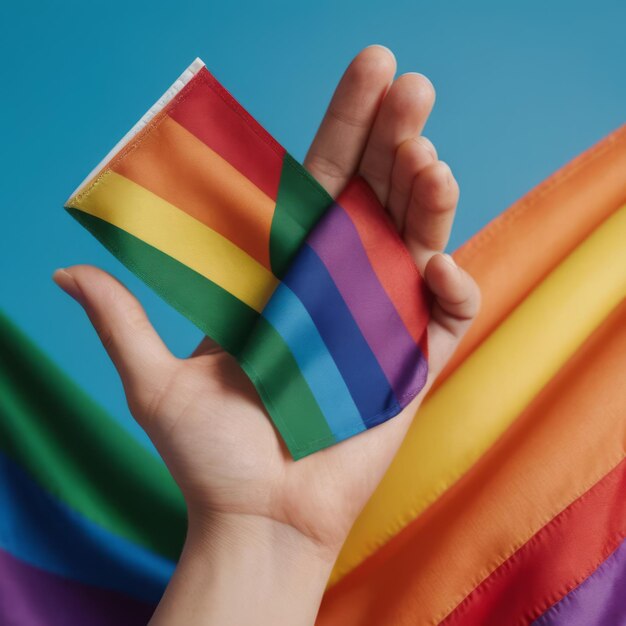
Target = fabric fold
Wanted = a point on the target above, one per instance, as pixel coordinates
(202, 203)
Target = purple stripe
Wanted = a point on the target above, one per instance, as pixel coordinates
(33, 597)
(336, 241)
(599, 601)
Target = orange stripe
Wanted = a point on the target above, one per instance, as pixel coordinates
(364, 210)
(536, 233)
(212, 114)
(572, 434)
(176, 166)
(556, 560)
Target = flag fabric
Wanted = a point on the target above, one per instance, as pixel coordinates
(91, 522)
(319, 300)
(504, 505)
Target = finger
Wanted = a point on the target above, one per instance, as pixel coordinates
(430, 212)
(456, 304)
(412, 157)
(337, 148)
(134, 346)
(402, 115)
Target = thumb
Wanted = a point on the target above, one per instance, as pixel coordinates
(138, 353)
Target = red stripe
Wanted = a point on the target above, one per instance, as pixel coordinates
(554, 561)
(392, 263)
(209, 112)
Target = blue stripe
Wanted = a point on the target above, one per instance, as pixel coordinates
(40, 530)
(311, 282)
(292, 321)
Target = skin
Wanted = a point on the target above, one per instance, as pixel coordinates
(264, 531)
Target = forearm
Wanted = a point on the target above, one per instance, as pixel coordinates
(239, 570)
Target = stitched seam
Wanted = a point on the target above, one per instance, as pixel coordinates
(513, 554)
(203, 77)
(510, 216)
(139, 138)
(611, 546)
(230, 101)
(370, 422)
(237, 108)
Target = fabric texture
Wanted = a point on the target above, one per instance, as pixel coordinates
(318, 300)
(504, 445)
(91, 523)
(598, 601)
(504, 506)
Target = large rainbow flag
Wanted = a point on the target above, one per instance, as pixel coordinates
(505, 504)
(319, 300)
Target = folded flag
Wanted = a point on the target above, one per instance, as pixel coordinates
(318, 300)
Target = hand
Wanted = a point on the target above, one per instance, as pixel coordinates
(245, 495)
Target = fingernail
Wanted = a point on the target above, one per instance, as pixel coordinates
(449, 259)
(379, 45)
(428, 144)
(449, 177)
(67, 282)
(425, 78)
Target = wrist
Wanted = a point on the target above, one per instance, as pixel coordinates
(216, 534)
(239, 569)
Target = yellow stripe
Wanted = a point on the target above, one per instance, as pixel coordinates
(145, 215)
(175, 165)
(467, 414)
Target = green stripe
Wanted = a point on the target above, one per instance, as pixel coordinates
(74, 450)
(213, 310)
(264, 355)
(300, 203)
(270, 365)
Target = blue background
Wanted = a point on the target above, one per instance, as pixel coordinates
(522, 88)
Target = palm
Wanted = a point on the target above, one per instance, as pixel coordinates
(224, 452)
(203, 413)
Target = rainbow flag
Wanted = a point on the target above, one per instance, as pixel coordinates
(91, 522)
(318, 300)
(505, 504)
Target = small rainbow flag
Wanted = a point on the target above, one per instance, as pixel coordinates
(318, 299)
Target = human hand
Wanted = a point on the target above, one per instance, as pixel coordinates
(202, 413)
